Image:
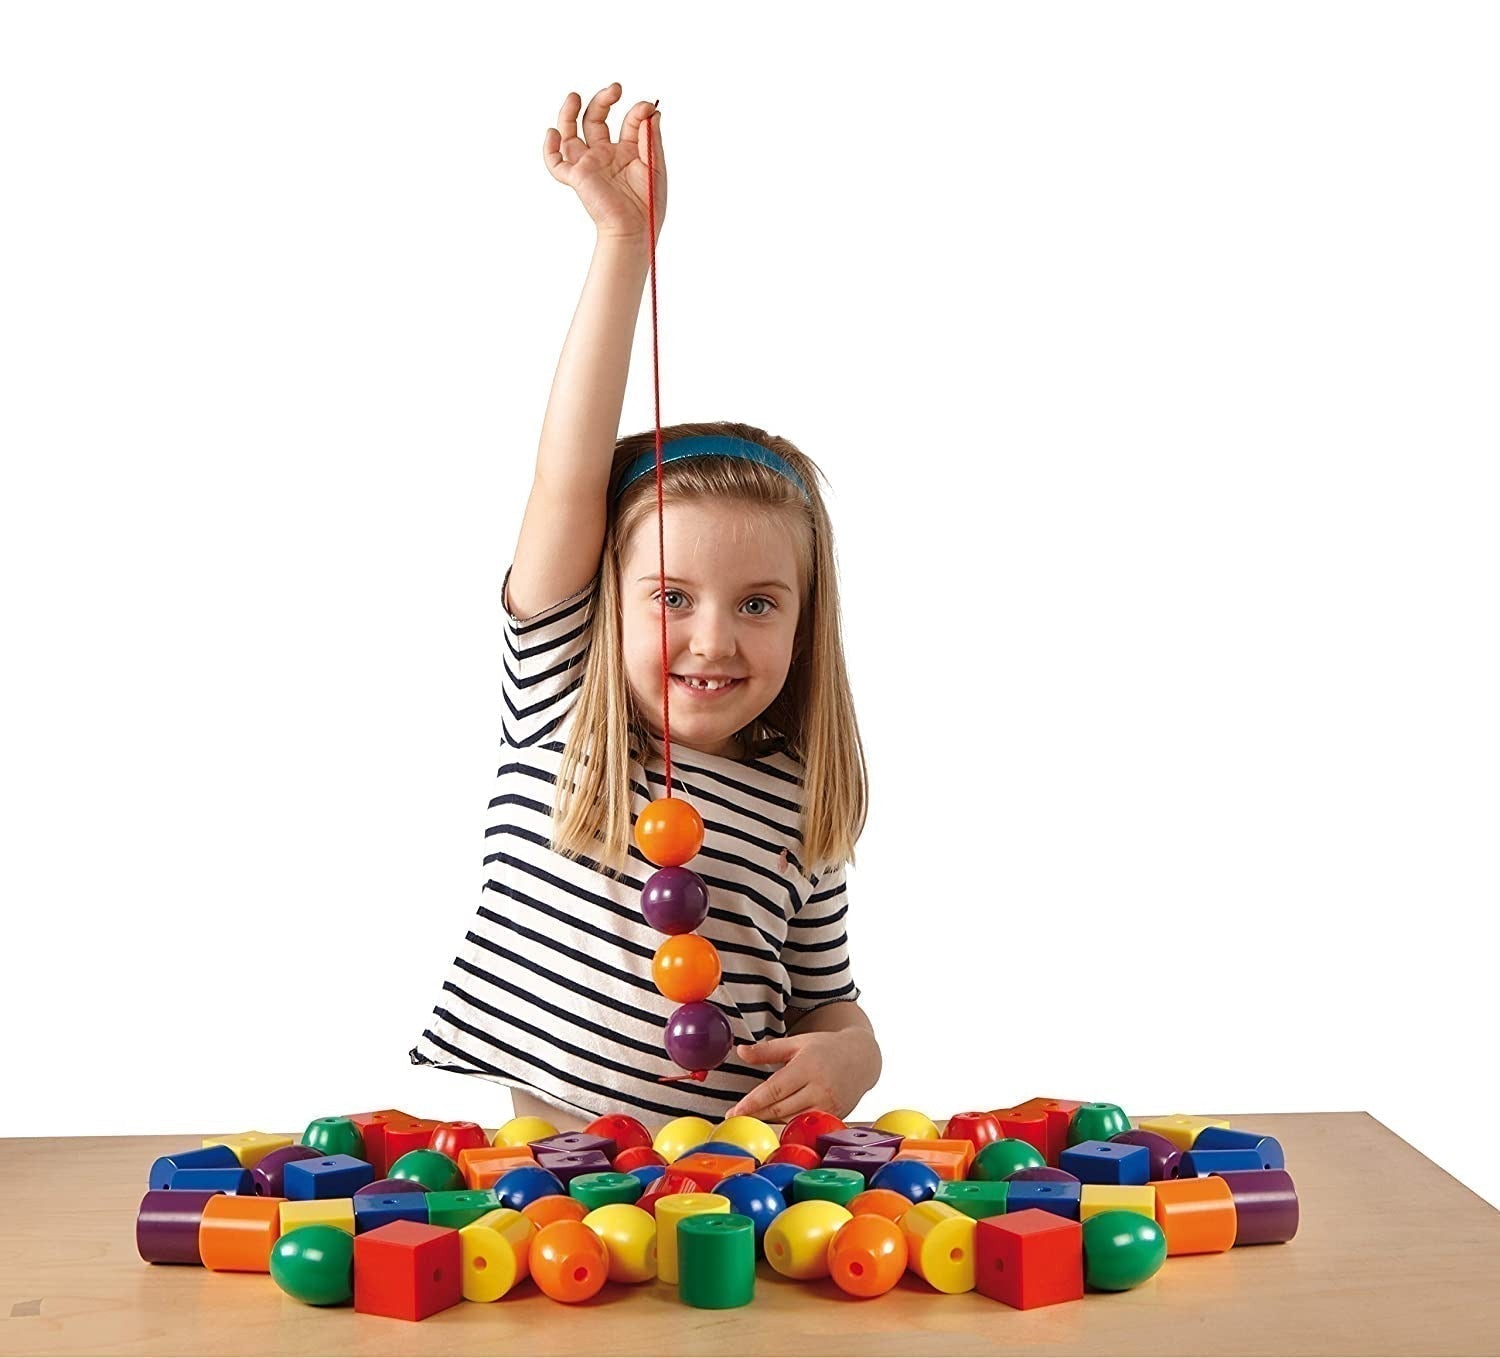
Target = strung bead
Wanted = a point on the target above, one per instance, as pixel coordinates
(669, 832)
(674, 900)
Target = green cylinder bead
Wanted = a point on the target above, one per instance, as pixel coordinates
(830, 1185)
(975, 1197)
(1096, 1122)
(604, 1188)
(335, 1136)
(716, 1260)
(1000, 1159)
(1121, 1250)
(458, 1207)
(432, 1169)
(315, 1264)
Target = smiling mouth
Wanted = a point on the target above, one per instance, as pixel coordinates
(699, 685)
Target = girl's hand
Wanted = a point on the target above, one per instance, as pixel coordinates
(610, 177)
(821, 1070)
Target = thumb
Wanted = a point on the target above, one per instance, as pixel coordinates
(768, 1052)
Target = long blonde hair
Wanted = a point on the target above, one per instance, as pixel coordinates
(812, 716)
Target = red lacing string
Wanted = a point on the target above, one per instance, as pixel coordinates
(661, 544)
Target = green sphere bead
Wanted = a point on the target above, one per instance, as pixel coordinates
(830, 1185)
(315, 1264)
(1096, 1122)
(1000, 1159)
(1121, 1250)
(335, 1136)
(604, 1188)
(432, 1169)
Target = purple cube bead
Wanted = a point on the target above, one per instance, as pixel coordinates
(865, 1159)
(568, 1165)
(570, 1143)
(857, 1136)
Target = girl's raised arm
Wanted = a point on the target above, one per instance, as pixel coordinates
(562, 532)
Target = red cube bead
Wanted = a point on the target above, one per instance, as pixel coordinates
(1029, 1258)
(407, 1270)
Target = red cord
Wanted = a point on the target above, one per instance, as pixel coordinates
(661, 545)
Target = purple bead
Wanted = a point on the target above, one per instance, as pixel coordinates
(568, 1165)
(1265, 1205)
(570, 1143)
(1041, 1174)
(856, 1136)
(698, 1036)
(674, 901)
(1164, 1155)
(166, 1227)
(865, 1159)
(384, 1188)
(270, 1169)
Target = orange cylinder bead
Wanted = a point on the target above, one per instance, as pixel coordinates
(554, 1207)
(669, 832)
(236, 1234)
(1197, 1216)
(686, 968)
(868, 1254)
(880, 1202)
(568, 1261)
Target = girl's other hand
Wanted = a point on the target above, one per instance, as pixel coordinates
(828, 1071)
(610, 177)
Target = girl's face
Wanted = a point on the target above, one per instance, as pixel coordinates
(733, 601)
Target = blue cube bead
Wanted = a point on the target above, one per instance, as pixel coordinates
(381, 1210)
(1061, 1199)
(1107, 1162)
(332, 1176)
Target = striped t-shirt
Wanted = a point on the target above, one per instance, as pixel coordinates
(551, 990)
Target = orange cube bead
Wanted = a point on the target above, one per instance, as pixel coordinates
(950, 1159)
(481, 1166)
(1197, 1216)
(706, 1168)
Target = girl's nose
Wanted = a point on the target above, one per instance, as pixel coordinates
(713, 637)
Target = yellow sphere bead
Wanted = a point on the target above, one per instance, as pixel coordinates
(680, 1135)
(907, 1122)
(796, 1242)
(629, 1234)
(940, 1245)
(495, 1252)
(749, 1134)
(671, 1209)
(522, 1132)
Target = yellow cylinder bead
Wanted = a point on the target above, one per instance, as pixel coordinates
(629, 1234)
(940, 1246)
(796, 1242)
(669, 1211)
(680, 1135)
(522, 1132)
(749, 1134)
(495, 1253)
(909, 1123)
(1096, 1198)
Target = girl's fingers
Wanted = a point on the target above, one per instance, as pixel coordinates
(595, 124)
(765, 1098)
(630, 130)
(570, 144)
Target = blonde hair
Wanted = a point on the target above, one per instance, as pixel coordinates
(814, 712)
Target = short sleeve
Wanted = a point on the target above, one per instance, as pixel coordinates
(544, 665)
(816, 952)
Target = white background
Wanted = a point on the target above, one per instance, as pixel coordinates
(1150, 350)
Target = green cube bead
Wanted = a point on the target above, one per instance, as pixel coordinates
(1096, 1122)
(604, 1188)
(432, 1169)
(716, 1260)
(977, 1198)
(1001, 1159)
(830, 1185)
(458, 1207)
(335, 1136)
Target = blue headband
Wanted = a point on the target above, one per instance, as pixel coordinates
(709, 445)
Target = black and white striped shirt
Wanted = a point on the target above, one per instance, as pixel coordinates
(551, 990)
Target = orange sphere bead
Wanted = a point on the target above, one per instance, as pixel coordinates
(868, 1255)
(568, 1261)
(669, 832)
(686, 968)
(878, 1202)
(555, 1207)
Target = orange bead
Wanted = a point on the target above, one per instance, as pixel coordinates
(669, 832)
(554, 1207)
(568, 1261)
(868, 1254)
(686, 967)
(880, 1202)
(1197, 1216)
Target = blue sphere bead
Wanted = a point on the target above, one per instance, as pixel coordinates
(648, 1174)
(722, 1148)
(910, 1178)
(781, 1173)
(755, 1197)
(518, 1188)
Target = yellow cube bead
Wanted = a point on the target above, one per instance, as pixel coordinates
(1179, 1129)
(1096, 1198)
(250, 1148)
(940, 1245)
(907, 1122)
(522, 1132)
(749, 1134)
(669, 1211)
(495, 1252)
(796, 1243)
(318, 1212)
(629, 1234)
(680, 1135)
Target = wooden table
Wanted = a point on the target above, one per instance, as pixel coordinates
(1393, 1256)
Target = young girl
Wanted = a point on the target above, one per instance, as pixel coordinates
(551, 992)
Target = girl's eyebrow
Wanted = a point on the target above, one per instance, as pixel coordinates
(678, 580)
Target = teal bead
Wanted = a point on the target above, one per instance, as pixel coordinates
(457, 1208)
(604, 1188)
(1096, 1122)
(432, 1169)
(315, 1264)
(975, 1198)
(716, 1260)
(1121, 1250)
(830, 1185)
(1000, 1159)
(335, 1136)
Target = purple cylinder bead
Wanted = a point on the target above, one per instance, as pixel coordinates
(166, 1227)
(1265, 1205)
(270, 1170)
(698, 1036)
(674, 901)
(1041, 1174)
(1164, 1155)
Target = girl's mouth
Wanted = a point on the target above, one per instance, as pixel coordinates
(705, 689)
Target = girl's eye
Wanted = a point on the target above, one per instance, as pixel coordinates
(674, 594)
(761, 599)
